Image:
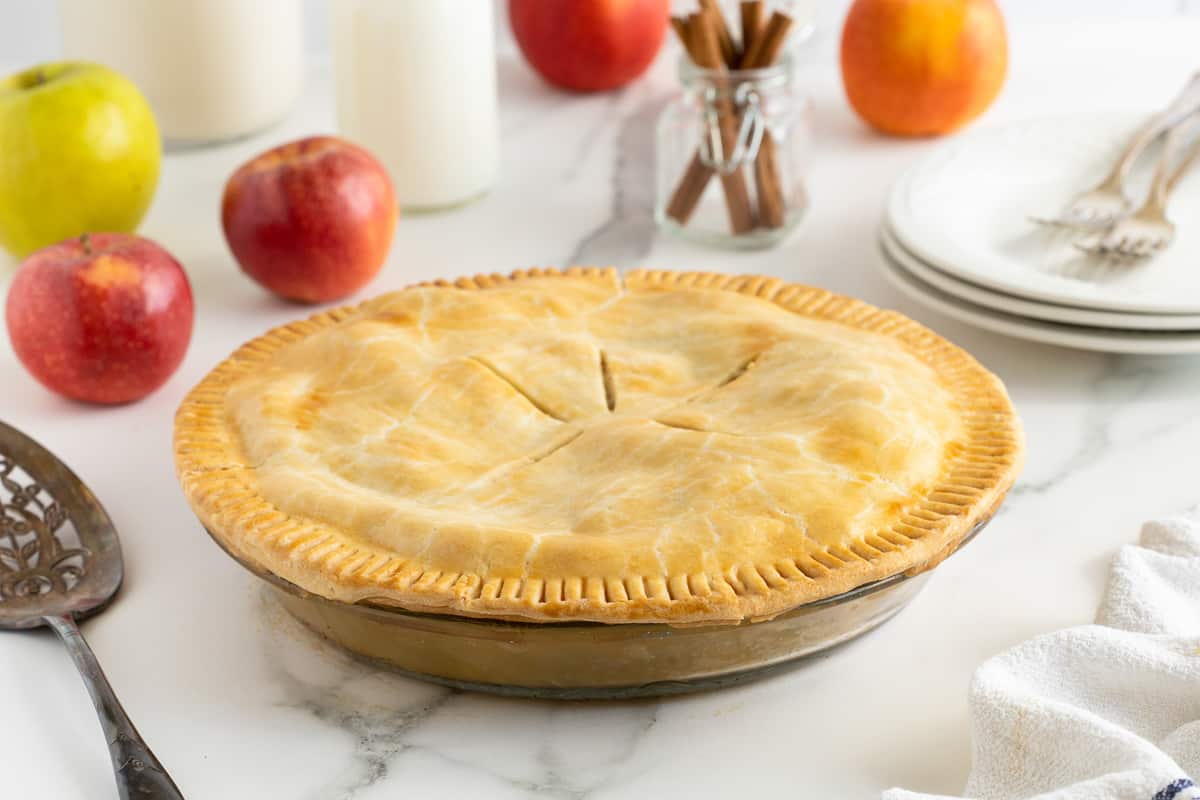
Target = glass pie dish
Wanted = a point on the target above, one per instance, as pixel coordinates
(590, 660)
(587, 483)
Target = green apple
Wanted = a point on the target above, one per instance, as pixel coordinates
(79, 153)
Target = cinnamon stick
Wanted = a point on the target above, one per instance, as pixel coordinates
(768, 183)
(729, 52)
(765, 48)
(695, 178)
(703, 33)
(681, 30)
(688, 191)
(751, 16)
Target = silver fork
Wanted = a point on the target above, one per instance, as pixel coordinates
(1103, 205)
(1148, 231)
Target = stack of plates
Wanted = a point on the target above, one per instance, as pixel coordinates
(956, 237)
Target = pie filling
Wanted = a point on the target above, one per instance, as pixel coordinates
(685, 448)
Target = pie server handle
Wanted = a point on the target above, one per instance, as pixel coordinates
(139, 774)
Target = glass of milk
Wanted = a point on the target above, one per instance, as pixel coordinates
(213, 70)
(416, 85)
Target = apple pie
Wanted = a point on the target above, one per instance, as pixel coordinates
(670, 447)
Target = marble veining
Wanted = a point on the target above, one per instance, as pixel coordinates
(377, 710)
(388, 717)
(1121, 383)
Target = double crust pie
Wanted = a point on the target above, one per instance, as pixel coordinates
(582, 445)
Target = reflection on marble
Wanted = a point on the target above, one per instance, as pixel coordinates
(627, 236)
(374, 708)
(391, 719)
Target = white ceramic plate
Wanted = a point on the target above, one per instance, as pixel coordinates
(964, 209)
(1107, 341)
(1048, 312)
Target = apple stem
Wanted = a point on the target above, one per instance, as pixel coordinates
(86, 243)
(32, 79)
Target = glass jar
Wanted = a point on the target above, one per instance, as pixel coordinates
(213, 70)
(732, 156)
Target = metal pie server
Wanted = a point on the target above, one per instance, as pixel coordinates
(60, 561)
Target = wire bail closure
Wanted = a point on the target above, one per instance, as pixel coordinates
(746, 142)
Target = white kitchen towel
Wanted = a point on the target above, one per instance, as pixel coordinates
(1109, 711)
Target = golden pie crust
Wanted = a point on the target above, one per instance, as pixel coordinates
(582, 445)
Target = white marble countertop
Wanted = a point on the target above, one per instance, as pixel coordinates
(240, 703)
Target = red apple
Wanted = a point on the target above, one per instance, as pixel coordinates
(589, 45)
(105, 318)
(311, 220)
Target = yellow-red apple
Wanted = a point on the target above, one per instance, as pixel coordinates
(105, 318)
(311, 220)
(923, 67)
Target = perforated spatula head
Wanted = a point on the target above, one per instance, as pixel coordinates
(59, 554)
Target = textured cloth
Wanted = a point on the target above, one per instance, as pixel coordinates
(1109, 711)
